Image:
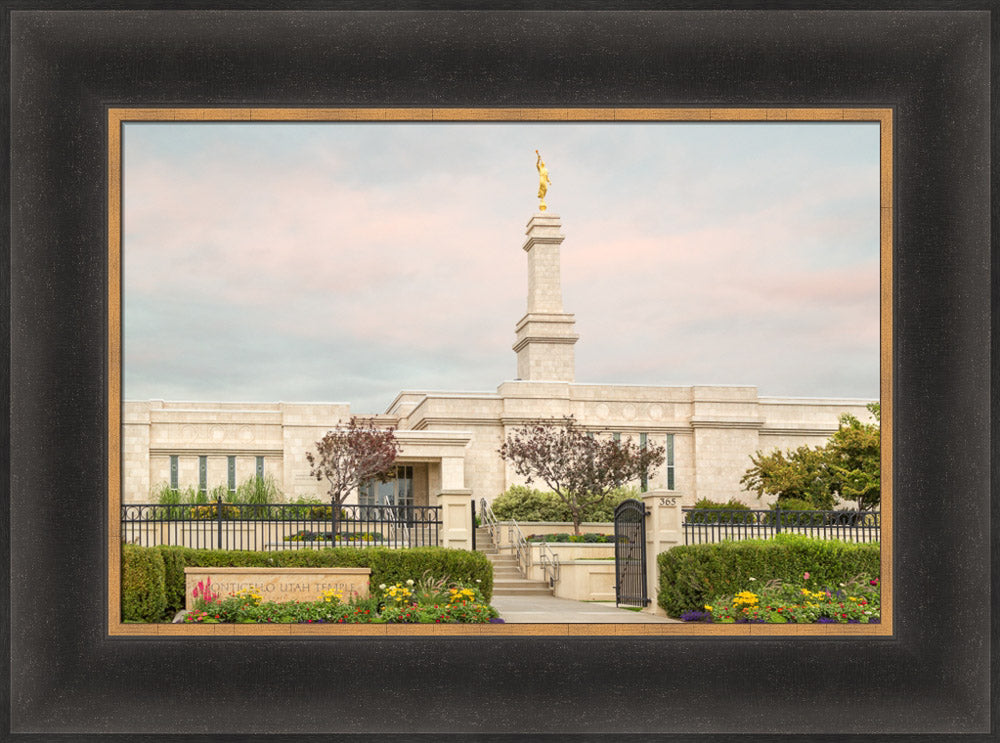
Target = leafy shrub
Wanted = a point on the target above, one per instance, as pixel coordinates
(317, 536)
(691, 575)
(794, 504)
(387, 565)
(211, 511)
(461, 566)
(589, 538)
(143, 584)
(522, 503)
(717, 518)
(792, 513)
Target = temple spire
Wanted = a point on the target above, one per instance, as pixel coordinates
(545, 336)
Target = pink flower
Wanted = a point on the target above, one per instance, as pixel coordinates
(806, 576)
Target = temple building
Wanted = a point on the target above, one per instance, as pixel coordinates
(449, 440)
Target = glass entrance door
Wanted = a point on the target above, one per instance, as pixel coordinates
(396, 492)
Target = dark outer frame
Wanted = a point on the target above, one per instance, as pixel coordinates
(931, 680)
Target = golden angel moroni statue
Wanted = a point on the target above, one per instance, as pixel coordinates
(543, 181)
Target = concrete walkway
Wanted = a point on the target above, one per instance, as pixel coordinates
(549, 609)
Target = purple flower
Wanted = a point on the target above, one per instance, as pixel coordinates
(854, 621)
(875, 621)
(696, 616)
(826, 620)
(496, 621)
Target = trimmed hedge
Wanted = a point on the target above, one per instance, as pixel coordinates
(587, 538)
(387, 565)
(718, 518)
(522, 503)
(143, 584)
(691, 576)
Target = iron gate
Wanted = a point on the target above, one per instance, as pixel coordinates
(630, 553)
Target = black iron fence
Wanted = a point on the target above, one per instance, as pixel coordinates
(710, 525)
(238, 526)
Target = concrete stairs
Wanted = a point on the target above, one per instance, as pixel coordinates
(507, 578)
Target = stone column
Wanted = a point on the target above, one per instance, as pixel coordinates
(456, 519)
(545, 334)
(664, 529)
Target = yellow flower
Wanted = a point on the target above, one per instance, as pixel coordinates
(708, 608)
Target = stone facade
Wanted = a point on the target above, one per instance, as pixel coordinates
(451, 439)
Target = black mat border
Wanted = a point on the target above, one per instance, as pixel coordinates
(931, 678)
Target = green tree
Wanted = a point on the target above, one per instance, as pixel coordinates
(798, 474)
(854, 458)
(848, 467)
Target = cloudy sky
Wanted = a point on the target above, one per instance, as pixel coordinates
(345, 261)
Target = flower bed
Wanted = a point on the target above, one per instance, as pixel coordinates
(852, 602)
(428, 601)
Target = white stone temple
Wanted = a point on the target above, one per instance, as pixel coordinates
(450, 440)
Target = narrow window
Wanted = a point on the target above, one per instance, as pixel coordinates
(203, 474)
(616, 436)
(670, 461)
(232, 474)
(644, 480)
(260, 467)
(173, 472)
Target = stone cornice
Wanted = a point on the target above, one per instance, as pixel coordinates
(656, 428)
(247, 450)
(833, 401)
(546, 340)
(426, 423)
(775, 431)
(711, 422)
(417, 437)
(533, 241)
(549, 318)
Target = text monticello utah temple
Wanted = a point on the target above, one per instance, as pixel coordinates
(449, 440)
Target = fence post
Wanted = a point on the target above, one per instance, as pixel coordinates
(456, 530)
(472, 506)
(333, 521)
(777, 515)
(663, 531)
(218, 506)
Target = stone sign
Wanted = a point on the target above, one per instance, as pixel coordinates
(279, 584)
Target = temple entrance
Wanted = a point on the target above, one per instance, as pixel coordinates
(396, 492)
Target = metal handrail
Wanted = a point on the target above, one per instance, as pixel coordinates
(490, 521)
(520, 545)
(549, 561)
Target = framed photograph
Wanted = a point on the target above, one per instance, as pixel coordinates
(135, 128)
(191, 228)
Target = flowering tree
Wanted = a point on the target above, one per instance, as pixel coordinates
(350, 455)
(580, 469)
